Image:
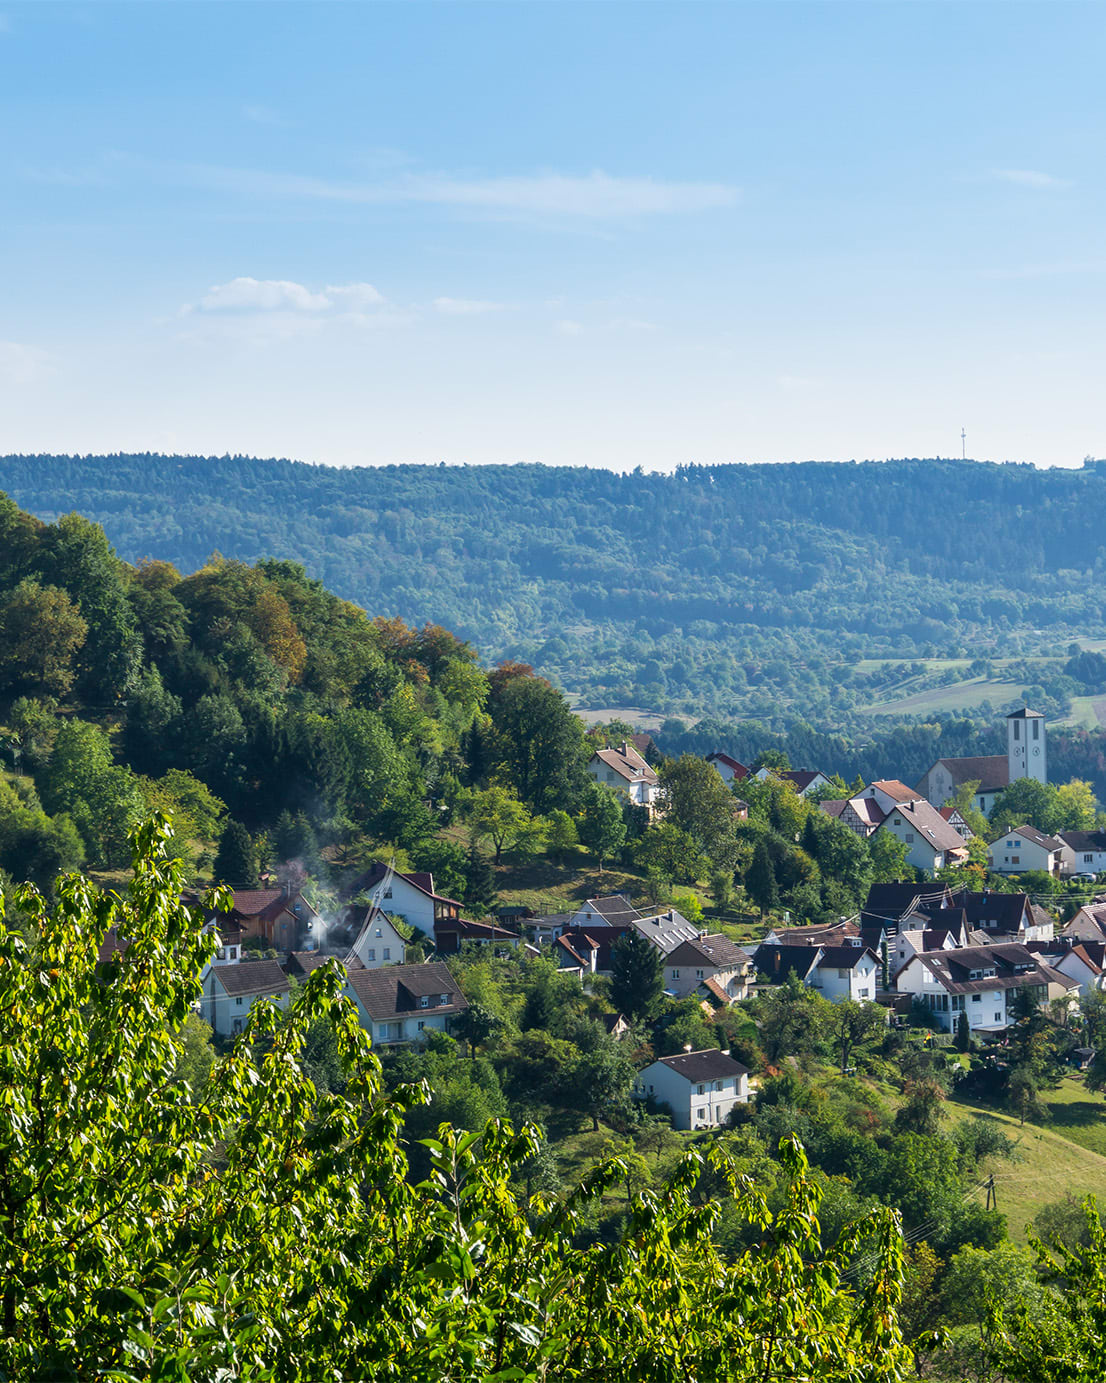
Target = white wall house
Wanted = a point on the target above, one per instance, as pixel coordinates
(730, 770)
(699, 1087)
(930, 841)
(401, 1003)
(410, 896)
(231, 990)
(1084, 852)
(1026, 848)
(377, 942)
(714, 958)
(1083, 964)
(846, 972)
(625, 771)
(981, 981)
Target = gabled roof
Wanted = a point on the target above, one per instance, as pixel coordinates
(666, 930)
(717, 951)
(780, 961)
(801, 777)
(1084, 840)
(715, 990)
(1035, 837)
(929, 825)
(895, 789)
(614, 909)
(991, 771)
(627, 763)
(1089, 923)
(301, 963)
(893, 902)
(581, 943)
(396, 989)
(252, 977)
(1006, 910)
(419, 880)
(845, 957)
(1015, 965)
(474, 931)
(816, 934)
(739, 770)
(709, 1064)
(1092, 954)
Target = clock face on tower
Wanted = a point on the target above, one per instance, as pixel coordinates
(1037, 752)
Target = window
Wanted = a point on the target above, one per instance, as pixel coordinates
(372, 952)
(698, 974)
(424, 1001)
(1036, 729)
(675, 974)
(701, 1115)
(421, 1025)
(1017, 729)
(843, 974)
(387, 894)
(1088, 859)
(998, 1017)
(718, 1085)
(1015, 859)
(387, 953)
(699, 1089)
(909, 837)
(237, 1025)
(221, 953)
(238, 1001)
(977, 998)
(445, 998)
(378, 932)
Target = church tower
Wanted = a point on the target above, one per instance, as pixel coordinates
(1025, 745)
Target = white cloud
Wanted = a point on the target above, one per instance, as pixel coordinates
(1029, 177)
(567, 327)
(465, 307)
(22, 364)
(354, 295)
(262, 295)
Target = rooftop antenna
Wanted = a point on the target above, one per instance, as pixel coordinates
(963, 445)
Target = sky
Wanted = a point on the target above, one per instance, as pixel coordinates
(599, 234)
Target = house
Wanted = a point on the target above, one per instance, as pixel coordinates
(1003, 916)
(301, 963)
(281, 917)
(375, 939)
(713, 958)
(666, 930)
(410, 896)
(729, 770)
(587, 951)
(805, 781)
(1084, 852)
(615, 1025)
(1025, 757)
(626, 771)
(859, 814)
(700, 1088)
(1088, 924)
(952, 815)
(400, 1003)
(613, 911)
(887, 793)
(931, 842)
(451, 934)
(231, 990)
(816, 934)
(911, 943)
(1026, 848)
(1085, 964)
(894, 904)
(836, 972)
(981, 981)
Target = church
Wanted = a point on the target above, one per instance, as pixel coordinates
(1025, 757)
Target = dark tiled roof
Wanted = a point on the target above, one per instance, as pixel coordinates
(709, 1064)
(780, 961)
(424, 882)
(845, 957)
(1084, 840)
(1025, 714)
(991, 771)
(474, 931)
(613, 909)
(893, 902)
(953, 968)
(739, 769)
(301, 963)
(396, 989)
(716, 950)
(832, 934)
(1005, 910)
(251, 976)
(1035, 837)
(580, 942)
(801, 777)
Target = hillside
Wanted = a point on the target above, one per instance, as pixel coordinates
(732, 590)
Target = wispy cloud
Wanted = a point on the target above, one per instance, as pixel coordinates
(22, 364)
(1029, 177)
(465, 307)
(567, 327)
(593, 196)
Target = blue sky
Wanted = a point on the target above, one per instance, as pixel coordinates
(580, 233)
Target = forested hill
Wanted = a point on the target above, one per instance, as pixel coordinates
(732, 589)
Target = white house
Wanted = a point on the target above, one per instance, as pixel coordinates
(376, 941)
(729, 770)
(1026, 848)
(861, 815)
(805, 781)
(231, 990)
(887, 793)
(909, 943)
(401, 1003)
(981, 981)
(1085, 964)
(846, 972)
(710, 958)
(1084, 852)
(410, 896)
(624, 770)
(931, 842)
(699, 1087)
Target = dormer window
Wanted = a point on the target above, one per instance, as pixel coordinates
(445, 998)
(424, 1001)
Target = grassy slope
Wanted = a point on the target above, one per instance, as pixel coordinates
(1068, 1156)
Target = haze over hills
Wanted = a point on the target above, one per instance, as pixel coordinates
(729, 590)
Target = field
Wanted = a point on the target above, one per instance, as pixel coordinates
(958, 696)
(1067, 1156)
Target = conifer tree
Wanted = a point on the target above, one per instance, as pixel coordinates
(636, 984)
(760, 881)
(479, 881)
(236, 861)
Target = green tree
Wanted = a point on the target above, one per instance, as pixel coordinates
(236, 861)
(537, 743)
(600, 1079)
(669, 852)
(480, 892)
(600, 825)
(855, 1026)
(41, 633)
(963, 1033)
(561, 838)
(697, 802)
(636, 984)
(888, 858)
(476, 1025)
(760, 881)
(496, 814)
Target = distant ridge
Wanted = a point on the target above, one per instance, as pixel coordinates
(679, 589)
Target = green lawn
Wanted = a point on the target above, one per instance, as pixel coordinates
(1087, 712)
(959, 696)
(1067, 1156)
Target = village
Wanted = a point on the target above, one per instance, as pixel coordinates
(920, 951)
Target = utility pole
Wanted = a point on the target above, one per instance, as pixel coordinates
(992, 1193)
(963, 445)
